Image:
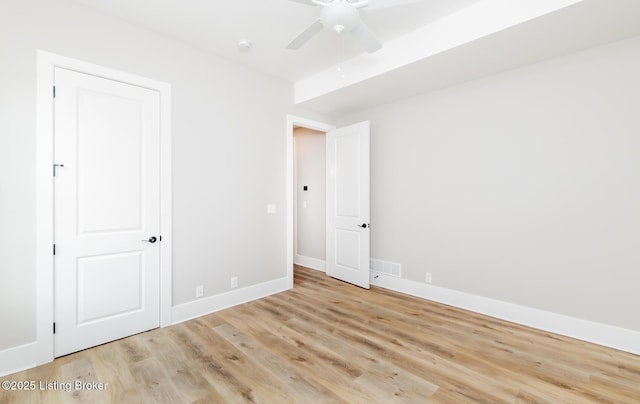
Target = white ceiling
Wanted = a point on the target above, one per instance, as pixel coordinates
(485, 50)
(217, 25)
(427, 44)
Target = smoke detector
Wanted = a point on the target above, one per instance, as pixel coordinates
(244, 45)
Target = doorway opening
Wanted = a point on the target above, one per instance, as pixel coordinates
(309, 228)
(347, 197)
(300, 125)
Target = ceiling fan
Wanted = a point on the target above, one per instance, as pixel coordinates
(341, 16)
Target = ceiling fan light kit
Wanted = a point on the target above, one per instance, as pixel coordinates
(340, 16)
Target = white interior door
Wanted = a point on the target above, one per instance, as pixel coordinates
(107, 210)
(348, 204)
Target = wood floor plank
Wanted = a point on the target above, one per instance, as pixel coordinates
(263, 385)
(560, 372)
(154, 384)
(190, 384)
(229, 386)
(300, 388)
(81, 371)
(567, 390)
(330, 370)
(112, 369)
(386, 380)
(133, 350)
(326, 341)
(441, 372)
(418, 341)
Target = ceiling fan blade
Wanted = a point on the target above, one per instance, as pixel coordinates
(364, 35)
(305, 35)
(307, 2)
(378, 4)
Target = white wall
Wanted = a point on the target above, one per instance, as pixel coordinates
(310, 171)
(228, 153)
(522, 187)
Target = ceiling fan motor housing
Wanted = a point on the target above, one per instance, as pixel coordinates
(340, 15)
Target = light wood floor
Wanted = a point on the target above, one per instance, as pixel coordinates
(327, 341)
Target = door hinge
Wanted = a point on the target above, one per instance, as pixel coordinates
(54, 91)
(54, 249)
(55, 166)
(54, 328)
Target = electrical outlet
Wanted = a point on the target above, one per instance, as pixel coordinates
(199, 291)
(234, 282)
(427, 277)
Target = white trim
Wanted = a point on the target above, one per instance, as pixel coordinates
(310, 262)
(295, 198)
(44, 211)
(166, 207)
(309, 124)
(598, 333)
(47, 62)
(18, 358)
(201, 307)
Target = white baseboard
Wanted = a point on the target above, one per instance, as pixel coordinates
(313, 263)
(598, 333)
(19, 358)
(201, 307)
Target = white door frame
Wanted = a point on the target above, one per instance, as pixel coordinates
(47, 62)
(309, 124)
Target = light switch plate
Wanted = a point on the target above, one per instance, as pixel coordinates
(271, 208)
